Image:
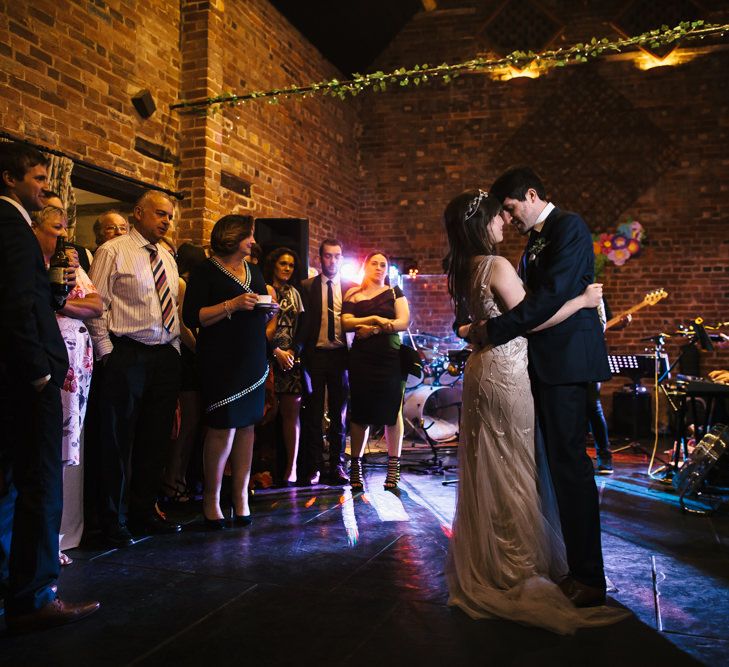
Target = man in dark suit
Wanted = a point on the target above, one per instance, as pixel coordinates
(33, 366)
(558, 264)
(325, 367)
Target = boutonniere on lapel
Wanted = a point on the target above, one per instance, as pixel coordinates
(535, 248)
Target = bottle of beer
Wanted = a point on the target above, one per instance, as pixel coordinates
(56, 270)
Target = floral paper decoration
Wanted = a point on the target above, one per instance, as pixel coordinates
(626, 242)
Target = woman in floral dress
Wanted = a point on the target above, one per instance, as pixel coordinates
(82, 303)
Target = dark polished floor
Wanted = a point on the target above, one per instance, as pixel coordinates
(324, 578)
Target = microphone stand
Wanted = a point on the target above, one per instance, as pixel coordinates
(678, 402)
(635, 445)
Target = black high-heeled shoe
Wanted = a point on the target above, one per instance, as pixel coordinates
(245, 520)
(393, 473)
(214, 524)
(356, 478)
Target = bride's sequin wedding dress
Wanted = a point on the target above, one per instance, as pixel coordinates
(507, 549)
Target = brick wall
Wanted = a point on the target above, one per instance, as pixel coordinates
(612, 141)
(69, 69)
(299, 155)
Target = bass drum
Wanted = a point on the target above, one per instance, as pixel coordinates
(432, 412)
(412, 382)
(446, 379)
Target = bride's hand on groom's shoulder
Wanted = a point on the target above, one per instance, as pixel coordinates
(592, 295)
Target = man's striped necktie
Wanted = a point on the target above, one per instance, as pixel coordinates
(163, 288)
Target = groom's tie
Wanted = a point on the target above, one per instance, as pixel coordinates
(524, 261)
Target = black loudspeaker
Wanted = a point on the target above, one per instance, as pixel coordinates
(272, 233)
(144, 104)
(631, 414)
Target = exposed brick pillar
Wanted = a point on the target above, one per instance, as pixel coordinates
(200, 138)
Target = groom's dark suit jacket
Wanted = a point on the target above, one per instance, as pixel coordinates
(574, 350)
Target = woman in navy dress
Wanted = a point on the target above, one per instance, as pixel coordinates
(221, 302)
(376, 313)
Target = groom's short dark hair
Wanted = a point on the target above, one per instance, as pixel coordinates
(515, 182)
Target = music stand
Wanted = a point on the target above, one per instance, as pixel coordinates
(636, 367)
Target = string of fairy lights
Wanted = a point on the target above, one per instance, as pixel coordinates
(423, 74)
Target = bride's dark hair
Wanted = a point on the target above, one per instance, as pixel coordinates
(466, 220)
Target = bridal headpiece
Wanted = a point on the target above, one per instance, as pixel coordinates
(475, 203)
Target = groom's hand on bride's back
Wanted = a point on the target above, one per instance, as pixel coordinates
(477, 334)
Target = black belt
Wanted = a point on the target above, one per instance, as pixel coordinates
(125, 340)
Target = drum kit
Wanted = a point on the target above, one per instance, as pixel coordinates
(432, 402)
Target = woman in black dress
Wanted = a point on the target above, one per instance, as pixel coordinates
(284, 334)
(375, 312)
(221, 302)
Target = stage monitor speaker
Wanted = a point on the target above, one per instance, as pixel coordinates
(631, 414)
(704, 476)
(272, 233)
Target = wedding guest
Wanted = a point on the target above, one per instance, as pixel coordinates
(256, 254)
(82, 303)
(595, 414)
(33, 366)
(325, 360)
(376, 313)
(175, 483)
(167, 243)
(84, 256)
(220, 302)
(137, 340)
(284, 335)
(109, 225)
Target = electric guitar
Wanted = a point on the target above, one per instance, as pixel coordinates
(650, 299)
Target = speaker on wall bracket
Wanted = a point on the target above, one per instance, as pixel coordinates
(144, 103)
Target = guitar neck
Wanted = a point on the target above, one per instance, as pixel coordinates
(633, 309)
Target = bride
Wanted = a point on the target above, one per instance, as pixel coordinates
(507, 550)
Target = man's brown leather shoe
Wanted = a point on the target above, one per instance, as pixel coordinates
(581, 595)
(54, 613)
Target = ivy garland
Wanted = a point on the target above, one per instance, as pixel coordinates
(379, 81)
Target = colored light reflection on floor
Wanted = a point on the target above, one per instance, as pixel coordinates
(388, 506)
(348, 518)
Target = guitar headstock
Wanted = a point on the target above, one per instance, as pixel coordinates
(652, 298)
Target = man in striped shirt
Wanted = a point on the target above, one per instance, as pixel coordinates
(137, 342)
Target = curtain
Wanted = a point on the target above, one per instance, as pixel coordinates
(59, 181)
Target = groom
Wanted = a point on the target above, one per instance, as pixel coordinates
(558, 264)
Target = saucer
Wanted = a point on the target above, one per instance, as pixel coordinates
(266, 306)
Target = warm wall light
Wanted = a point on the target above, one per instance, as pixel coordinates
(510, 72)
(647, 61)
